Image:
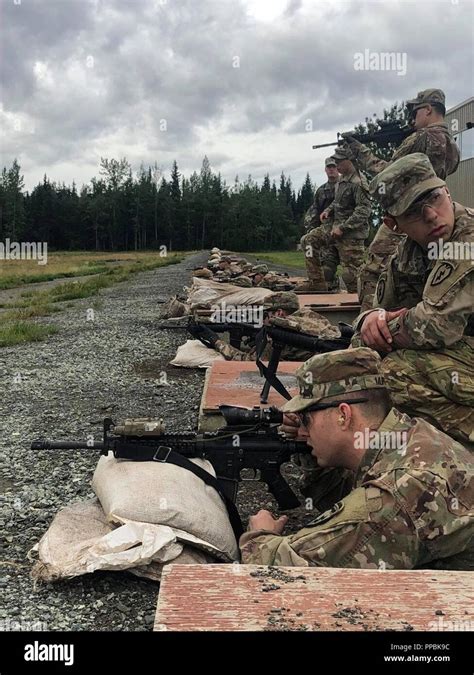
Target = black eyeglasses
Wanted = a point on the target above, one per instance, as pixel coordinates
(304, 415)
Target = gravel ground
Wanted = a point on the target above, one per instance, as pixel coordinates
(62, 388)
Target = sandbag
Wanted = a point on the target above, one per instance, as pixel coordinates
(80, 540)
(164, 494)
(193, 354)
(205, 293)
(173, 308)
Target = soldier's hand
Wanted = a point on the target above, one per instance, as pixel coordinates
(375, 332)
(291, 425)
(324, 216)
(264, 520)
(336, 232)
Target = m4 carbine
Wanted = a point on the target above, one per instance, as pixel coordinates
(201, 331)
(281, 337)
(250, 440)
(388, 132)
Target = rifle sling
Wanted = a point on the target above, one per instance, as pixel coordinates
(272, 379)
(166, 455)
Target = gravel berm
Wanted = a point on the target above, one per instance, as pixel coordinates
(63, 388)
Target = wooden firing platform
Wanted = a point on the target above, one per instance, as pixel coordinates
(335, 307)
(239, 383)
(258, 598)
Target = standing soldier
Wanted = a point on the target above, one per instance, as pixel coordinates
(431, 137)
(312, 242)
(349, 214)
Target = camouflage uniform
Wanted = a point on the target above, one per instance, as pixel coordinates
(275, 282)
(381, 248)
(430, 373)
(314, 241)
(434, 141)
(350, 211)
(281, 300)
(303, 320)
(412, 504)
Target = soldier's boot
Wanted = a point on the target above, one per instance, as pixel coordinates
(316, 280)
(309, 286)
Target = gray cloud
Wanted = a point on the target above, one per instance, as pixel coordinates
(85, 78)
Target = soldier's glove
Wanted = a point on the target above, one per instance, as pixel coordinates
(207, 336)
(194, 329)
(348, 136)
(351, 143)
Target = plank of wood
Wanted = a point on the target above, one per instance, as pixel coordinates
(240, 383)
(258, 598)
(329, 299)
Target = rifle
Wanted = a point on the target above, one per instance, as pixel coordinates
(200, 330)
(282, 337)
(250, 440)
(388, 132)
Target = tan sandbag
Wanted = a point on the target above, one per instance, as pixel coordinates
(193, 354)
(202, 273)
(80, 540)
(205, 293)
(173, 308)
(164, 494)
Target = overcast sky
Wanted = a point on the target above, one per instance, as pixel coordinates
(238, 80)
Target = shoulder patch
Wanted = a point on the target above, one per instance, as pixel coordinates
(327, 515)
(380, 290)
(443, 278)
(441, 273)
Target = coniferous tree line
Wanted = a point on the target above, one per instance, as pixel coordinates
(122, 211)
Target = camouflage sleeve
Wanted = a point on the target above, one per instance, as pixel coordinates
(361, 213)
(434, 144)
(311, 219)
(330, 209)
(440, 319)
(232, 353)
(365, 158)
(368, 529)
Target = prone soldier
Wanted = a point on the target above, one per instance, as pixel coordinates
(412, 502)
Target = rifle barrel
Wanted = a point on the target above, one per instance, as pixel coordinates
(67, 445)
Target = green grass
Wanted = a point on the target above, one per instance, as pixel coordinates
(290, 258)
(15, 332)
(15, 327)
(12, 282)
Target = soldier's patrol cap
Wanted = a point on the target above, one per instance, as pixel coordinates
(341, 153)
(404, 181)
(427, 96)
(330, 161)
(282, 300)
(258, 269)
(335, 374)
